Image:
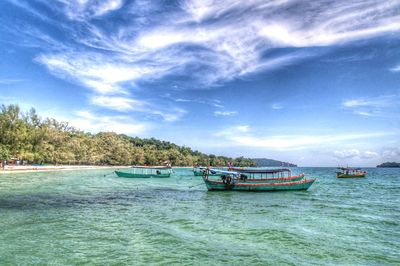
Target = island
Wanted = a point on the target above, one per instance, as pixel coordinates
(389, 165)
(264, 162)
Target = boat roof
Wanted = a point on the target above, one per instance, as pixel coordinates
(152, 167)
(349, 168)
(234, 173)
(260, 171)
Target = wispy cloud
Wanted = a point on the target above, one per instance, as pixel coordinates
(346, 154)
(395, 69)
(225, 39)
(277, 106)
(117, 103)
(382, 106)
(242, 136)
(86, 120)
(172, 115)
(86, 9)
(203, 42)
(392, 153)
(225, 113)
(354, 153)
(7, 81)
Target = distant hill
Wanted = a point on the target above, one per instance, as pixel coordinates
(263, 162)
(389, 164)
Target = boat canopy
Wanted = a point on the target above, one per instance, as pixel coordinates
(349, 169)
(212, 170)
(152, 167)
(260, 171)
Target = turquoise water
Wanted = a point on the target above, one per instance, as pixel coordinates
(85, 218)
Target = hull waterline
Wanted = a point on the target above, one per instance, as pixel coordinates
(243, 186)
(135, 175)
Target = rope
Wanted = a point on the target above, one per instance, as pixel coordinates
(196, 185)
(109, 174)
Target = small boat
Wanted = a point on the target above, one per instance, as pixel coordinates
(146, 172)
(230, 181)
(346, 172)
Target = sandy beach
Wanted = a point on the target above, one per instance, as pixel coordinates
(47, 168)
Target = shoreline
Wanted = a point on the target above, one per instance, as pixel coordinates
(59, 168)
(53, 168)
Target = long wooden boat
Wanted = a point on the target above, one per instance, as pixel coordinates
(246, 186)
(346, 172)
(231, 180)
(145, 172)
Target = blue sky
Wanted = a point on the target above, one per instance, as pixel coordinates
(316, 83)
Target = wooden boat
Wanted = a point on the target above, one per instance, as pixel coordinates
(146, 172)
(230, 181)
(246, 186)
(346, 172)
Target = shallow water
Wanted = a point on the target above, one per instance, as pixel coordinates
(94, 217)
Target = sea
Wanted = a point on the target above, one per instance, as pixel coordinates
(93, 217)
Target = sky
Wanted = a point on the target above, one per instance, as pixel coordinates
(316, 83)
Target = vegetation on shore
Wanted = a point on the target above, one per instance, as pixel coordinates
(389, 164)
(263, 162)
(26, 136)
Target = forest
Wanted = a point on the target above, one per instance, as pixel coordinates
(26, 136)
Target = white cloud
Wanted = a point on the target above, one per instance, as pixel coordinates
(395, 69)
(117, 103)
(98, 72)
(168, 116)
(240, 136)
(9, 81)
(231, 37)
(225, 113)
(277, 106)
(369, 154)
(346, 154)
(391, 153)
(86, 9)
(381, 106)
(85, 120)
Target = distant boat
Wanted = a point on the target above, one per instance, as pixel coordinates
(230, 180)
(346, 172)
(146, 172)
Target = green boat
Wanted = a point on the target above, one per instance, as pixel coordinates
(145, 172)
(231, 181)
(346, 172)
(246, 186)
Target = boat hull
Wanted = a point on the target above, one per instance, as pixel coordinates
(272, 180)
(245, 186)
(135, 175)
(340, 175)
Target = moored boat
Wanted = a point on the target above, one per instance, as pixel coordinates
(231, 181)
(145, 172)
(346, 172)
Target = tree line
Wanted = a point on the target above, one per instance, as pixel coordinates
(26, 136)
